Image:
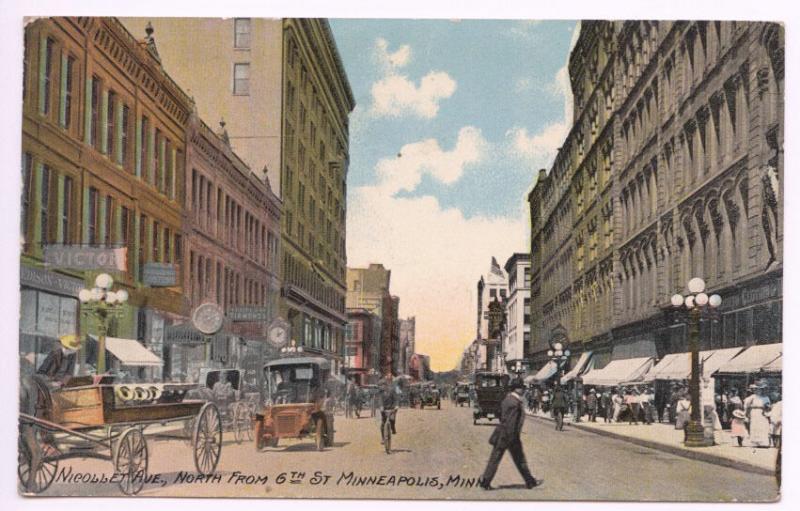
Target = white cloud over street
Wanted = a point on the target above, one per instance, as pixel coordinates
(397, 95)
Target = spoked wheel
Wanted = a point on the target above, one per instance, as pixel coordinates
(130, 461)
(35, 472)
(387, 436)
(319, 434)
(207, 439)
(242, 423)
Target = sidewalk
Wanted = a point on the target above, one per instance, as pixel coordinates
(665, 437)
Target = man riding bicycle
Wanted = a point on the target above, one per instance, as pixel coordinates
(388, 408)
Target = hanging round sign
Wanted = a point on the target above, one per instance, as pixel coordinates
(208, 318)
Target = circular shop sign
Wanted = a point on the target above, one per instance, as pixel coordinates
(208, 318)
(278, 333)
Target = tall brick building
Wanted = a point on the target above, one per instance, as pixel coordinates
(672, 169)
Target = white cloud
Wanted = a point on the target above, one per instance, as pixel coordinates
(405, 170)
(389, 61)
(436, 256)
(539, 149)
(397, 95)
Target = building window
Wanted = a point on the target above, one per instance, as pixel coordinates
(143, 146)
(44, 197)
(112, 99)
(92, 217)
(241, 36)
(123, 143)
(95, 114)
(241, 79)
(109, 220)
(66, 211)
(142, 241)
(47, 71)
(156, 241)
(124, 226)
(167, 247)
(27, 176)
(66, 121)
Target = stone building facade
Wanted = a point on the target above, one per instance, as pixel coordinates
(672, 169)
(516, 341)
(281, 88)
(103, 144)
(232, 235)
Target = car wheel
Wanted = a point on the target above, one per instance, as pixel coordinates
(319, 434)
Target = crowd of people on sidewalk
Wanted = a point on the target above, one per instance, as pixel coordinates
(755, 420)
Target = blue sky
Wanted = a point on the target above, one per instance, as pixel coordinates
(453, 121)
(504, 71)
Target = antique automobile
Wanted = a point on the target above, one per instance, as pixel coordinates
(94, 417)
(462, 394)
(490, 389)
(296, 404)
(224, 388)
(430, 396)
(414, 391)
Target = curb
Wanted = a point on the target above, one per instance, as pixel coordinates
(671, 449)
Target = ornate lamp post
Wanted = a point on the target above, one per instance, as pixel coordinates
(696, 302)
(559, 355)
(102, 304)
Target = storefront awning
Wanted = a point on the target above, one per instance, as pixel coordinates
(578, 369)
(617, 371)
(753, 360)
(776, 366)
(544, 374)
(131, 352)
(718, 359)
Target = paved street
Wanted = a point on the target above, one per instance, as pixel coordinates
(432, 447)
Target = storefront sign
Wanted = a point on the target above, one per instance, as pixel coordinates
(49, 281)
(85, 258)
(159, 275)
(48, 313)
(68, 316)
(243, 313)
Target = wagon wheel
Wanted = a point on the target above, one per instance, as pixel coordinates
(207, 439)
(240, 417)
(246, 421)
(130, 461)
(35, 472)
(319, 435)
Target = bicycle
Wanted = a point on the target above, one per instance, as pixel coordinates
(387, 417)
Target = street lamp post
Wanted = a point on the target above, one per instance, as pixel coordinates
(559, 355)
(102, 304)
(695, 302)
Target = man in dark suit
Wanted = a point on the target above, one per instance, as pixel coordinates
(506, 436)
(559, 406)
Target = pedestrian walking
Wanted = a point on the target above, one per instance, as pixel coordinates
(775, 416)
(591, 405)
(618, 404)
(559, 405)
(682, 412)
(632, 399)
(607, 405)
(506, 436)
(755, 407)
(738, 426)
(648, 405)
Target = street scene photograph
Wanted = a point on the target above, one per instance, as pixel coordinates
(403, 259)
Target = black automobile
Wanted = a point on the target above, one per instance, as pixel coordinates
(490, 389)
(430, 396)
(462, 394)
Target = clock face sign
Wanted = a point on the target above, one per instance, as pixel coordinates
(208, 318)
(278, 333)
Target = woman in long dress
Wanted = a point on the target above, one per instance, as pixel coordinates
(755, 407)
(682, 409)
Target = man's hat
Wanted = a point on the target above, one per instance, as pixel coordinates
(70, 341)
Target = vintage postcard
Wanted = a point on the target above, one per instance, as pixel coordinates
(401, 259)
